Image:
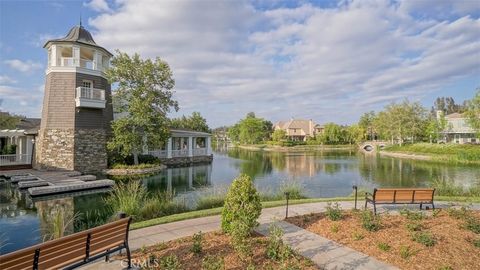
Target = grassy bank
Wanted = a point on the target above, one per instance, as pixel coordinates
(267, 147)
(450, 153)
(270, 204)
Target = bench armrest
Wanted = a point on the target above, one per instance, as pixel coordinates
(367, 194)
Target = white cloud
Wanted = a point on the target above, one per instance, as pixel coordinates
(329, 64)
(98, 5)
(6, 80)
(23, 66)
(20, 101)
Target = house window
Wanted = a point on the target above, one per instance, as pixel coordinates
(87, 84)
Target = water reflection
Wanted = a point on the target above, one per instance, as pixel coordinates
(24, 221)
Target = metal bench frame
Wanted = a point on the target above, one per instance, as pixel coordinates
(87, 259)
(372, 200)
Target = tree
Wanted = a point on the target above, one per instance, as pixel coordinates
(366, 122)
(144, 97)
(279, 135)
(353, 134)
(194, 122)
(9, 121)
(332, 134)
(402, 121)
(250, 130)
(473, 112)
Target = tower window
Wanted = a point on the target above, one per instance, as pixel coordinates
(87, 84)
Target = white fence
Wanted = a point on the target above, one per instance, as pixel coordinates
(7, 160)
(180, 153)
(90, 93)
(158, 153)
(200, 152)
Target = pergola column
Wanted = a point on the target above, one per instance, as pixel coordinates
(208, 145)
(190, 146)
(169, 148)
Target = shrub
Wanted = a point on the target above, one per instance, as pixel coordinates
(242, 204)
(406, 252)
(384, 246)
(334, 228)
(472, 224)
(461, 213)
(333, 211)
(445, 267)
(127, 197)
(370, 222)
(425, 238)
(197, 243)
(276, 250)
(412, 215)
(436, 212)
(357, 236)
(476, 242)
(210, 201)
(240, 213)
(294, 189)
(170, 262)
(213, 263)
(414, 226)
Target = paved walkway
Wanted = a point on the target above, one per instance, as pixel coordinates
(325, 253)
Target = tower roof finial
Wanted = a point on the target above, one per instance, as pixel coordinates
(80, 19)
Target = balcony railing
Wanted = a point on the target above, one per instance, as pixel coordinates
(6, 160)
(158, 153)
(200, 152)
(90, 97)
(83, 63)
(180, 153)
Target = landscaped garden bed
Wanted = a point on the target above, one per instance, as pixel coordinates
(441, 239)
(214, 251)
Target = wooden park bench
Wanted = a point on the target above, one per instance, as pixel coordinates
(73, 250)
(419, 196)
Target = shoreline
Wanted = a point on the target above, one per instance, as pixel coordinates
(406, 155)
(271, 148)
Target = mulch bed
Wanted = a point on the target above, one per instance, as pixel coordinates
(217, 244)
(454, 248)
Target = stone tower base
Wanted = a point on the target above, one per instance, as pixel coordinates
(68, 149)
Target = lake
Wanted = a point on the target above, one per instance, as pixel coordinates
(322, 174)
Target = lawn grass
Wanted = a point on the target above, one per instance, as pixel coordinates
(451, 153)
(270, 204)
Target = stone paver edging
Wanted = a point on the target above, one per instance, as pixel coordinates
(326, 253)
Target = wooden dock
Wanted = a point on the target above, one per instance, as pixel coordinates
(45, 183)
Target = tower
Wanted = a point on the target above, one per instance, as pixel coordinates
(77, 105)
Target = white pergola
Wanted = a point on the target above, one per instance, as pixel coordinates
(24, 143)
(184, 143)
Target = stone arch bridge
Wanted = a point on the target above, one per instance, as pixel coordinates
(372, 146)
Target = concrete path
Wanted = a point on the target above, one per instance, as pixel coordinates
(325, 253)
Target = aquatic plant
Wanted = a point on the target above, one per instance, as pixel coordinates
(127, 198)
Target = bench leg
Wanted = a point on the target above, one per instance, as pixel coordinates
(433, 206)
(374, 208)
(365, 205)
(420, 206)
(129, 257)
(107, 257)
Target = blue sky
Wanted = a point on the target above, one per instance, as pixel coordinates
(321, 60)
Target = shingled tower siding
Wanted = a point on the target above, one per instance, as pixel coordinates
(73, 132)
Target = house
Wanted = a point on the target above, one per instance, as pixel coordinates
(298, 129)
(457, 129)
(17, 145)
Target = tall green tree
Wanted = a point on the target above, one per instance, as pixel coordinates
(250, 130)
(144, 97)
(194, 122)
(279, 135)
(9, 121)
(332, 134)
(473, 112)
(353, 134)
(366, 123)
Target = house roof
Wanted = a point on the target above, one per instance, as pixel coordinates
(295, 124)
(78, 34)
(30, 125)
(177, 132)
(455, 115)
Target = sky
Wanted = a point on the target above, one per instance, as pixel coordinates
(329, 61)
